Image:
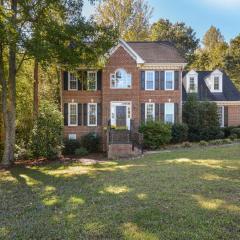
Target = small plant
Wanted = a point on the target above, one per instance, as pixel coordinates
(91, 142)
(236, 131)
(80, 152)
(216, 142)
(227, 141)
(186, 144)
(203, 143)
(233, 137)
(70, 146)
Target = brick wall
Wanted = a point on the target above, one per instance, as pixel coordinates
(234, 115)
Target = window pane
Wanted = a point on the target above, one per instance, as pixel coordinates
(73, 82)
(192, 84)
(169, 112)
(169, 80)
(121, 79)
(92, 114)
(73, 114)
(92, 83)
(216, 83)
(149, 112)
(150, 80)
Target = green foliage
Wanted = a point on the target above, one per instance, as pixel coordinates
(227, 141)
(186, 144)
(80, 152)
(179, 133)
(1, 149)
(202, 119)
(91, 142)
(216, 142)
(182, 36)
(236, 131)
(70, 146)
(47, 131)
(203, 143)
(233, 137)
(156, 134)
(22, 153)
(130, 18)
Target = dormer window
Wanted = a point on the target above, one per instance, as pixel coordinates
(192, 81)
(215, 81)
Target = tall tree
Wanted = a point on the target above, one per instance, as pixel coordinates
(232, 60)
(182, 36)
(63, 42)
(131, 18)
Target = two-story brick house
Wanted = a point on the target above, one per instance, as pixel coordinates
(139, 82)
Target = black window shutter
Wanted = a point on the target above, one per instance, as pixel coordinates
(142, 79)
(99, 80)
(156, 80)
(176, 113)
(156, 112)
(79, 114)
(225, 116)
(176, 80)
(99, 114)
(65, 114)
(65, 80)
(142, 112)
(85, 114)
(84, 80)
(162, 111)
(162, 80)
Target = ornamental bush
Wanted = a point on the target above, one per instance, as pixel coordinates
(70, 146)
(46, 137)
(179, 133)
(236, 131)
(211, 133)
(91, 142)
(155, 134)
(80, 152)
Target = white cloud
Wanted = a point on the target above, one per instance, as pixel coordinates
(225, 4)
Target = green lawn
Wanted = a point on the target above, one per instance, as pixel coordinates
(187, 194)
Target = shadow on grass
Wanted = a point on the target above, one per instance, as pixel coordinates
(159, 197)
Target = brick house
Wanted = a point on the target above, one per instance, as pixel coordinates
(140, 81)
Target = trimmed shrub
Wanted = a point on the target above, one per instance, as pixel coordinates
(80, 152)
(70, 146)
(233, 137)
(236, 131)
(227, 131)
(155, 134)
(46, 137)
(211, 133)
(91, 142)
(216, 142)
(22, 153)
(179, 133)
(203, 143)
(227, 141)
(186, 144)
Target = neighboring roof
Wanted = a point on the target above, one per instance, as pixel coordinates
(230, 92)
(157, 52)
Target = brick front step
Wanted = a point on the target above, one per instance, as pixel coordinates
(116, 151)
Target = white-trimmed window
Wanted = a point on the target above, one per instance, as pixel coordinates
(92, 114)
(72, 136)
(149, 112)
(72, 114)
(169, 113)
(192, 85)
(121, 79)
(72, 82)
(149, 80)
(221, 115)
(169, 80)
(92, 80)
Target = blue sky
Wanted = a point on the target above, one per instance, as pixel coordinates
(199, 14)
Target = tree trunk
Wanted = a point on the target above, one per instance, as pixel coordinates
(35, 89)
(9, 98)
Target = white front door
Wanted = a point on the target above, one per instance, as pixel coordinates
(121, 114)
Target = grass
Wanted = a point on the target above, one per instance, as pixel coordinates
(185, 194)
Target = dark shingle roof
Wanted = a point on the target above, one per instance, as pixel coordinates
(230, 92)
(157, 52)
